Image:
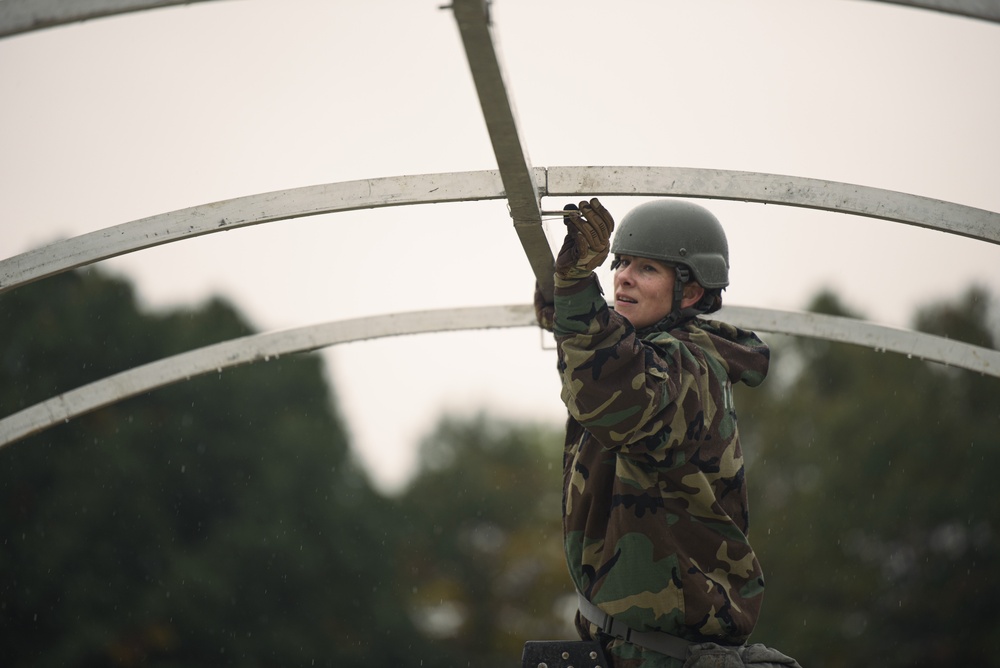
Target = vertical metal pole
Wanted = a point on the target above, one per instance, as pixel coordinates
(512, 160)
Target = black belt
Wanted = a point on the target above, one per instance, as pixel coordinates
(658, 641)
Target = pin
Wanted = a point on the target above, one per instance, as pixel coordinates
(568, 212)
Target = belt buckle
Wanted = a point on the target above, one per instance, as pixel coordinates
(563, 654)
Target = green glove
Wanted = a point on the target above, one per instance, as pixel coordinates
(587, 240)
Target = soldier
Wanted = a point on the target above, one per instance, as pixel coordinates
(655, 503)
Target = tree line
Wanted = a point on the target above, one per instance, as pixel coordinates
(224, 522)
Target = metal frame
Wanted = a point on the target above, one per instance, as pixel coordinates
(985, 10)
(519, 182)
(244, 350)
(263, 347)
(21, 16)
(164, 228)
(516, 181)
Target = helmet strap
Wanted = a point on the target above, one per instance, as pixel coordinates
(671, 320)
(681, 277)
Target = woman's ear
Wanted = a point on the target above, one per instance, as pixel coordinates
(693, 292)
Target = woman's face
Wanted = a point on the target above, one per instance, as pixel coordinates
(644, 290)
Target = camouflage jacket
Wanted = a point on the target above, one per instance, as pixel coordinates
(655, 505)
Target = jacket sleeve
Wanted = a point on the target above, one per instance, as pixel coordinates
(633, 396)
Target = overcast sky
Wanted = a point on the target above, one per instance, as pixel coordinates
(117, 119)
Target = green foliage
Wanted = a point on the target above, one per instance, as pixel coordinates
(483, 540)
(222, 521)
(214, 522)
(872, 501)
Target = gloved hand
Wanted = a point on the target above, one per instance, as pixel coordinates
(587, 240)
(545, 311)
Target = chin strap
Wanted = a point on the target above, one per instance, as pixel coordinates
(681, 276)
(673, 320)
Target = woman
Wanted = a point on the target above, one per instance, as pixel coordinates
(655, 504)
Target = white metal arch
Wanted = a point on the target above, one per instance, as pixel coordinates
(20, 16)
(262, 347)
(270, 207)
(986, 10)
(515, 180)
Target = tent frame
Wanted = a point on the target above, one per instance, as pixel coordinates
(516, 181)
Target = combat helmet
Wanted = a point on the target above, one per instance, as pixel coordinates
(679, 233)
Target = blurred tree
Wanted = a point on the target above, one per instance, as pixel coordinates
(215, 522)
(872, 500)
(222, 521)
(484, 568)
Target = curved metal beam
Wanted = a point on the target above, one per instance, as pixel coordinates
(262, 347)
(880, 338)
(259, 347)
(480, 185)
(519, 183)
(984, 10)
(243, 211)
(20, 16)
(778, 189)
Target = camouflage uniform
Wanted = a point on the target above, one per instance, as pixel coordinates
(655, 505)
